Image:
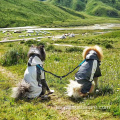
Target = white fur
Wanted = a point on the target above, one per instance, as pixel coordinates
(73, 89)
(20, 90)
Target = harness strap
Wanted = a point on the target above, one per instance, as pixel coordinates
(58, 75)
(38, 76)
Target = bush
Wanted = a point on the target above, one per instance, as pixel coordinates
(37, 43)
(50, 47)
(14, 56)
(74, 49)
(107, 45)
(10, 45)
(53, 49)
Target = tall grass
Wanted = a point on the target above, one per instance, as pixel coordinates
(14, 56)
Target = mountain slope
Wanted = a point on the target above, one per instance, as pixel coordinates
(32, 12)
(98, 8)
(110, 8)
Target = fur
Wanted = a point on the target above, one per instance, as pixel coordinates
(22, 88)
(74, 88)
(96, 49)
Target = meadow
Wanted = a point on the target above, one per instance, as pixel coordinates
(104, 105)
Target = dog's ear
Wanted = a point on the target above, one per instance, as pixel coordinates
(42, 52)
(40, 47)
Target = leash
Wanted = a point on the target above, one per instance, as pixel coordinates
(58, 75)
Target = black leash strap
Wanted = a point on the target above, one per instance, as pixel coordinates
(58, 75)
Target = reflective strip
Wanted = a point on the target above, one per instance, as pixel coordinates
(94, 67)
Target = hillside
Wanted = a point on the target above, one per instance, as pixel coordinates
(110, 8)
(32, 12)
(15, 13)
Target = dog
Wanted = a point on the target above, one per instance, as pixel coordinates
(86, 79)
(34, 84)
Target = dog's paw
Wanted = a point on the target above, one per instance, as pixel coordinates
(50, 91)
(45, 97)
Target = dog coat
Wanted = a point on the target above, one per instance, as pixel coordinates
(88, 71)
(33, 75)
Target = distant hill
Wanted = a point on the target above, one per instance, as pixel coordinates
(33, 12)
(41, 13)
(110, 8)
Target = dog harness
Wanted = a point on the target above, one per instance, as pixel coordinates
(33, 75)
(88, 71)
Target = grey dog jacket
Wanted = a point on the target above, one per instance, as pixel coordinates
(88, 71)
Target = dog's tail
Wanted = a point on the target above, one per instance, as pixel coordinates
(73, 89)
(21, 90)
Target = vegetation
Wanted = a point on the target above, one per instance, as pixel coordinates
(104, 104)
(94, 7)
(15, 13)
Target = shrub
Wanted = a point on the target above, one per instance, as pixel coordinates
(74, 49)
(21, 42)
(104, 90)
(50, 47)
(31, 42)
(14, 56)
(10, 45)
(108, 45)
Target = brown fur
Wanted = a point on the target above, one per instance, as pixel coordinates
(41, 50)
(96, 49)
(74, 88)
(22, 88)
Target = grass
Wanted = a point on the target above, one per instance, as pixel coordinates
(106, 8)
(61, 60)
(33, 12)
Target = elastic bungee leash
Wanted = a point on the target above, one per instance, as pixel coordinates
(57, 75)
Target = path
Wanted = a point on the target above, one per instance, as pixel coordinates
(67, 45)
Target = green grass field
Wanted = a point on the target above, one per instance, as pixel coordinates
(61, 60)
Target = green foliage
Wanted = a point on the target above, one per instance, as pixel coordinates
(94, 7)
(35, 12)
(74, 4)
(14, 56)
(74, 49)
(53, 49)
(31, 12)
(106, 101)
(107, 45)
(98, 8)
(50, 47)
(34, 42)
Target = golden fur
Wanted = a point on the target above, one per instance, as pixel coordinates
(74, 88)
(96, 49)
